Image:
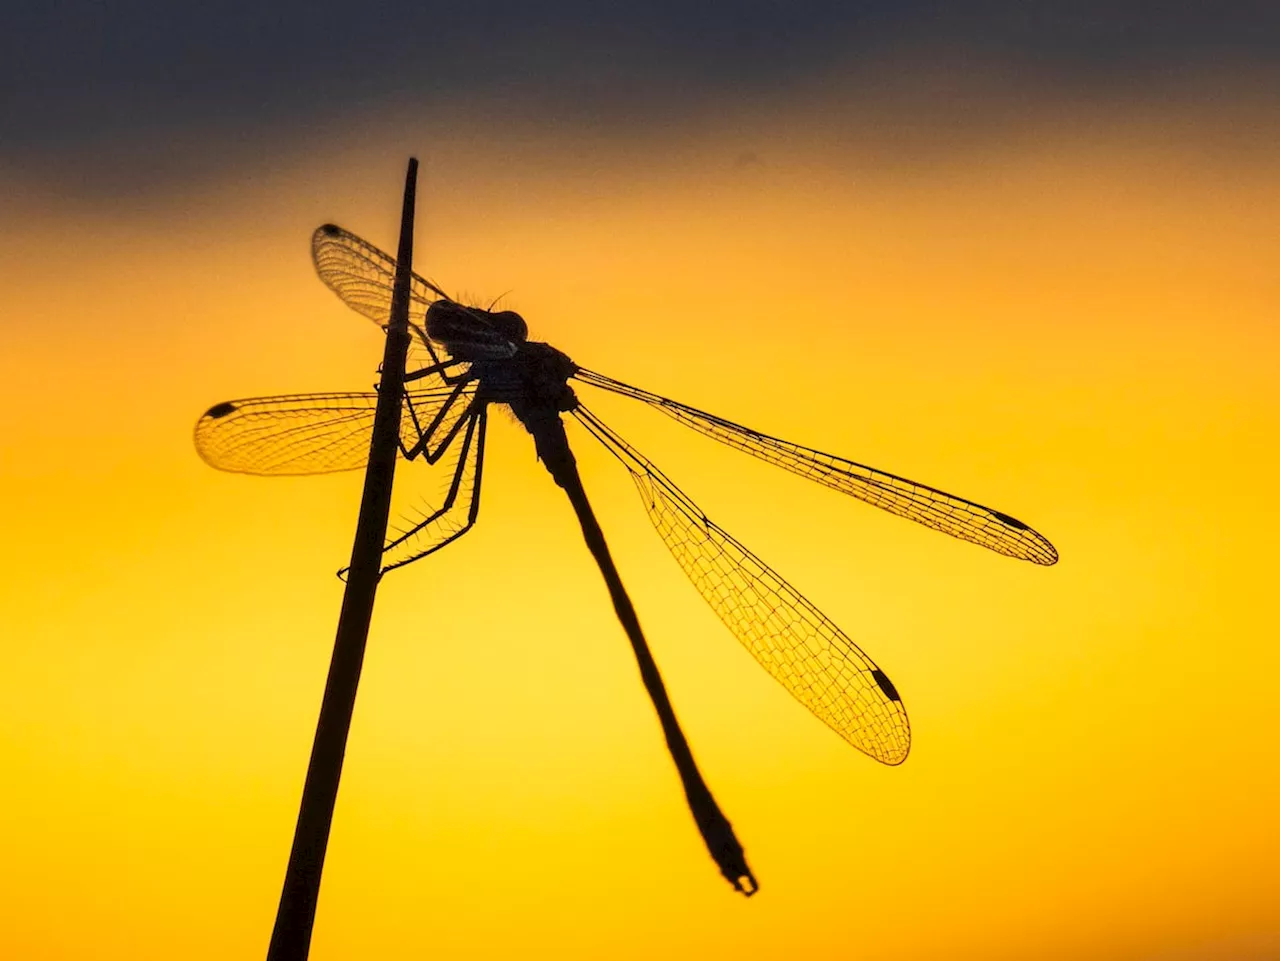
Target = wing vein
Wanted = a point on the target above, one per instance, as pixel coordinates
(933, 508)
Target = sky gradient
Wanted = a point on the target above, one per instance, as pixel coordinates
(1025, 257)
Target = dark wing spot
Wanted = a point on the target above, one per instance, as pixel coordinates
(1008, 521)
(221, 410)
(886, 685)
(331, 230)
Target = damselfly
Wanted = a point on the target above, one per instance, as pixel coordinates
(465, 359)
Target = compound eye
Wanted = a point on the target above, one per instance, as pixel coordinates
(511, 325)
(447, 322)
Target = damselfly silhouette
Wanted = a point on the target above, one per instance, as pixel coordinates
(463, 360)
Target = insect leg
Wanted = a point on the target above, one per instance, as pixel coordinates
(473, 454)
(424, 436)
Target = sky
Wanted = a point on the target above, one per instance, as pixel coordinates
(1021, 252)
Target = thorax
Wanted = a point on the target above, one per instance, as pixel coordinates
(534, 379)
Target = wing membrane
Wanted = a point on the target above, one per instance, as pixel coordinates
(925, 505)
(363, 278)
(313, 433)
(794, 641)
(362, 275)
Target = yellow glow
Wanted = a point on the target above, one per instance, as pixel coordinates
(1083, 337)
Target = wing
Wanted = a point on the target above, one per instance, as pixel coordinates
(794, 641)
(430, 528)
(925, 505)
(362, 275)
(363, 278)
(316, 433)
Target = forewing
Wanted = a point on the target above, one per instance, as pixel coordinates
(925, 505)
(363, 278)
(308, 433)
(794, 641)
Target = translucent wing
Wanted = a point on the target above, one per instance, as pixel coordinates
(316, 433)
(794, 641)
(429, 527)
(362, 275)
(925, 505)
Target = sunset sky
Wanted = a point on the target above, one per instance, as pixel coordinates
(1025, 253)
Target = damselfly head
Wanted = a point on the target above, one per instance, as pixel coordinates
(472, 333)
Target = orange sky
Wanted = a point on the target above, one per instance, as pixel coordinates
(1078, 330)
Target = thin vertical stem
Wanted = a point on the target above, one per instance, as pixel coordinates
(291, 937)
